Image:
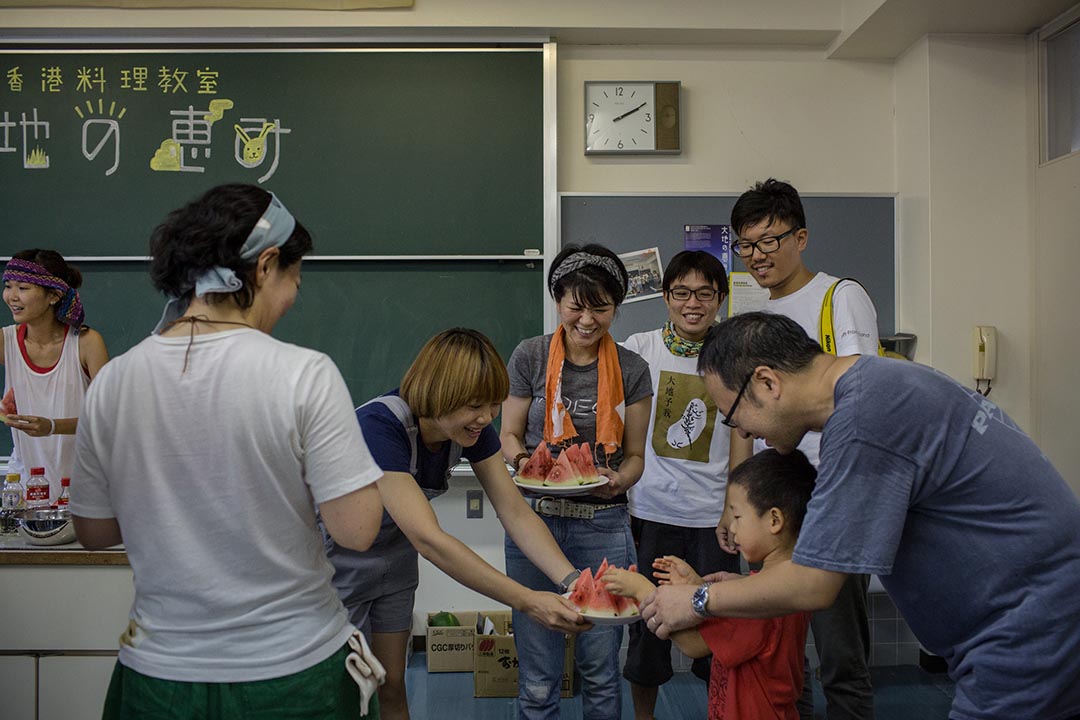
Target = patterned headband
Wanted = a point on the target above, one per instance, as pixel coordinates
(69, 310)
(578, 260)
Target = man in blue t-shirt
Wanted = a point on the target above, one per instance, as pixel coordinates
(926, 483)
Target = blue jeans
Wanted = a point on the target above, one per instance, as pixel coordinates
(540, 651)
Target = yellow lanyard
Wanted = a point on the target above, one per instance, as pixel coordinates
(826, 334)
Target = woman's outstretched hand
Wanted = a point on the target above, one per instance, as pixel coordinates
(555, 613)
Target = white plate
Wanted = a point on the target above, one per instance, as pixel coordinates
(562, 489)
(607, 619)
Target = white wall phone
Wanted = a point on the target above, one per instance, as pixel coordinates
(984, 347)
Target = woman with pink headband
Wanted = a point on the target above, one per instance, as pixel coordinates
(49, 358)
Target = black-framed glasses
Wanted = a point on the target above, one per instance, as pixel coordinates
(705, 294)
(770, 244)
(727, 417)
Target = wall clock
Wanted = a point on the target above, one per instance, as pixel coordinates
(639, 117)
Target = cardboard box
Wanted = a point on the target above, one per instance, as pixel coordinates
(495, 672)
(450, 649)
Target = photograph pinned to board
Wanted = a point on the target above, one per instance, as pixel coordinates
(713, 239)
(646, 274)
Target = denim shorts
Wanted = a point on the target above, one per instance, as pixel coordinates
(378, 589)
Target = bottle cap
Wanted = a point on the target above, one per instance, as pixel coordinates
(64, 482)
(13, 477)
(37, 471)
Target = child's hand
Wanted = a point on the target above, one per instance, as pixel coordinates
(627, 584)
(670, 570)
(721, 576)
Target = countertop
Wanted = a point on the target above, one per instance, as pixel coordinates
(16, 550)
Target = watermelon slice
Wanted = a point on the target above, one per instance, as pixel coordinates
(583, 588)
(563, 473)
(601, 603)
(592, 598)
(7, 405)
(538, 467)
(573, 454)
(588, 467)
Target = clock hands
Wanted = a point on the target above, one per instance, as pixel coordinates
(629, 112)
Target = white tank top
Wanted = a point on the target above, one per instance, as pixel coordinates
(55, 393)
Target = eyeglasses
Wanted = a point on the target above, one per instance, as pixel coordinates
(705, 294)
(770, 244)
(727, 417)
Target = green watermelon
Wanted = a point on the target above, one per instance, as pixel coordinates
(444, 619)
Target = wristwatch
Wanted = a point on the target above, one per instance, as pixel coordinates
(567, 581)
(700, 602)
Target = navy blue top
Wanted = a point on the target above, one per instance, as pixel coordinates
(389, 444)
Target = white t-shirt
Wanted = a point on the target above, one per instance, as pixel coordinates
(213, 474)
(686, 450)
(854, 323)
(55, 393)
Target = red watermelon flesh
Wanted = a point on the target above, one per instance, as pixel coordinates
(588, 467)
(7, 405)
(583, 589)
(582, 463)
(538, 467)
(573, 454)
(563, 472)
(601, 603)
(592, 598)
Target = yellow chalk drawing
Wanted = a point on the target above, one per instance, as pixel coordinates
(254, 147)
(217, 110)
(37, 158)
(166, 157)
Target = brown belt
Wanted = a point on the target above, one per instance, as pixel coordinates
(561, 507)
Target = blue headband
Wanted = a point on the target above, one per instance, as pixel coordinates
(271, 230)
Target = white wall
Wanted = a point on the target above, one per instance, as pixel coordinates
(911, 86)
(1056, 329)
(965, 154)
(826, 126)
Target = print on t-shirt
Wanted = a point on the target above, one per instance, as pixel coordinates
(684, 417)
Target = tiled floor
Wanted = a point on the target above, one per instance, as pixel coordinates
(903, 692)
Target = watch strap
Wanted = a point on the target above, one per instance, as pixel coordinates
(700, 602)
(564, 585)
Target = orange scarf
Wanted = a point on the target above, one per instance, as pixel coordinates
(610, 400)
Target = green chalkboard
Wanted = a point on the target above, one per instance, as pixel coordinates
(379, 152)
(371, 317)
(398, 152)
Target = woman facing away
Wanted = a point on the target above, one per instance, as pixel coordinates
(575, 386)
(49, 358)
(442, 412)
(207, 449)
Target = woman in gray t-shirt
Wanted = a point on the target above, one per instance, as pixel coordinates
(577, 386)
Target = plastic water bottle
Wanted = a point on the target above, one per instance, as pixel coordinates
(37, 490)
(11, 502)
(64, 500)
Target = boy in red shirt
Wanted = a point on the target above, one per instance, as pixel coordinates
(757, 670)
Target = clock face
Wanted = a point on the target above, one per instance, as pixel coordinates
(620, 117)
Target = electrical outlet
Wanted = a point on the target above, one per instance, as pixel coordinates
(474, 503)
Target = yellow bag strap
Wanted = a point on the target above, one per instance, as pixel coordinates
(826, 334)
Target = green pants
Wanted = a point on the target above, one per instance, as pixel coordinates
(322, 692)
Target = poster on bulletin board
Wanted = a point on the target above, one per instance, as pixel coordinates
(713, 239)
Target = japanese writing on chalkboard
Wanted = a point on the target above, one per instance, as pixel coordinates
(100, 100)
